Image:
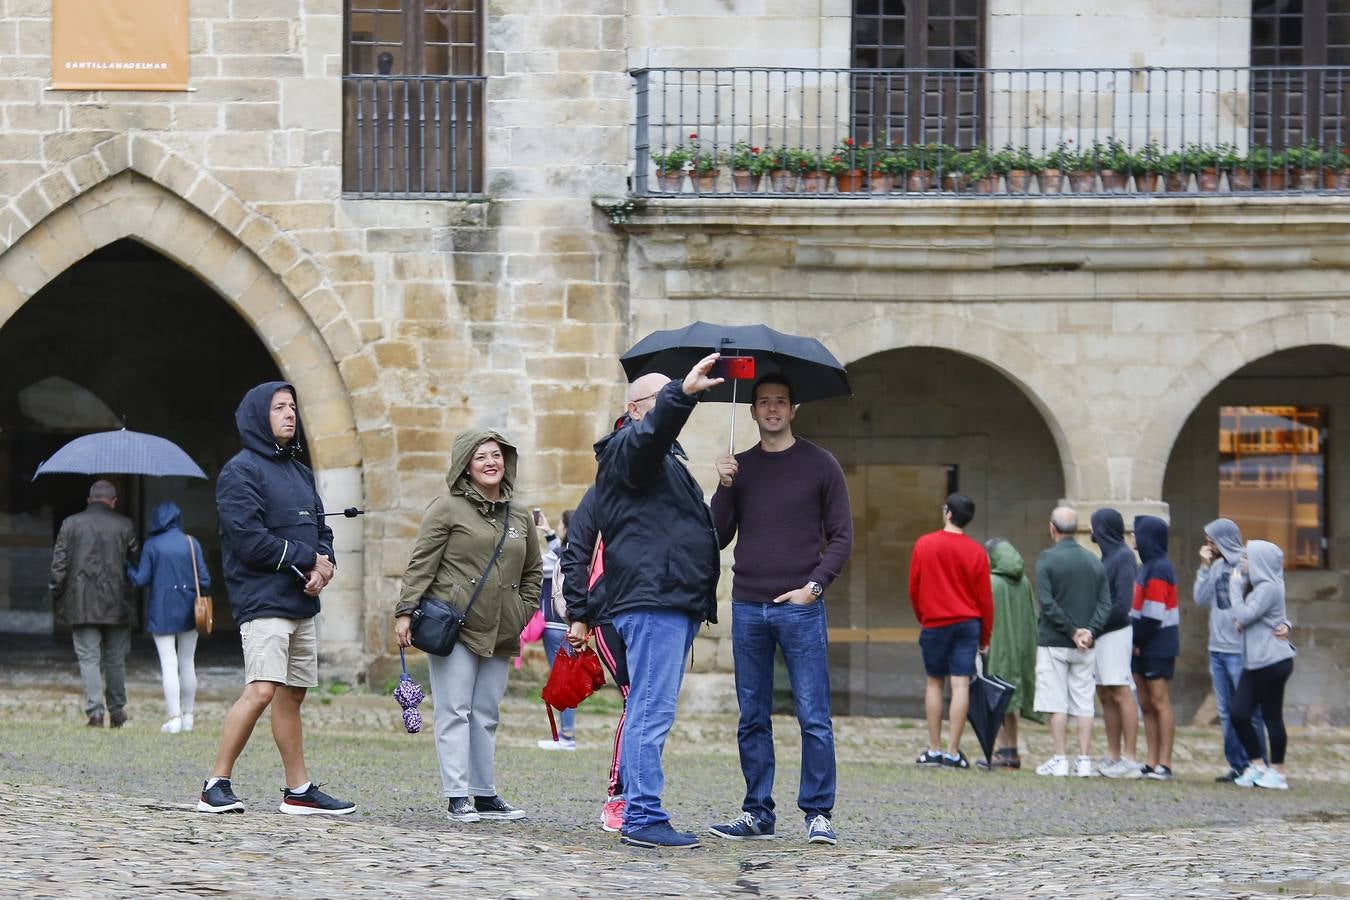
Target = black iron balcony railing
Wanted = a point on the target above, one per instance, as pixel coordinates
(412, 136)
(982, 132)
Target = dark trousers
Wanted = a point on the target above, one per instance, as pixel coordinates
(1262, 689)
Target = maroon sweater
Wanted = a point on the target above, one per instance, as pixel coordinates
(791, 509)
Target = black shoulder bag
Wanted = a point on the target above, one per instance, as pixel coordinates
(435, 623)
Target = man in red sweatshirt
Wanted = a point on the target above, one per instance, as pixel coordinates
(949, 587)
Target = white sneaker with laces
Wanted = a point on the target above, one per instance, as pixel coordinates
(173, 726)
(1272, 780)
(1249, 777)
(562, 743)
(1083, 768)
(1056, 766)
(187, 722)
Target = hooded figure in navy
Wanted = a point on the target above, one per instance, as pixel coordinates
(166, 566)
(271, 517)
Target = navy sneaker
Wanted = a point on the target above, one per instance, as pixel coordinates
(314, 802)
(745, 828)
(219, 798)
(929, 758)
(659, 835)
(461, 810)
(820, 831)
(958, 761)
(495, 807)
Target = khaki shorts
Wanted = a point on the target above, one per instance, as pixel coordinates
(285, 651)
(1064, 682)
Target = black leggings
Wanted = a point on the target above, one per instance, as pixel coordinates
(1263, 688)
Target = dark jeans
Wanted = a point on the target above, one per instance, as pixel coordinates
(756, 629)
(1226, 669)
(1264, 689)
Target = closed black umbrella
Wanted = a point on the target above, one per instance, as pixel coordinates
(989, 699)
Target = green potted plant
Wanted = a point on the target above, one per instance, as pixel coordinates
(1336, 168)
(1000, 163)
(881, 167)
(956, 169)
(928, 161)
(673, 162)
(846, 165)
(1024, 172)
(1055, 164)
(1081, 168)
(1268, 167)
(1202, 161)
(1172, 166)
(1149, 168)
(805, 164)
(1116, 164)
(1232, 163)
(744, 162)
(1304, 164)
(704, 173)
(778, 166)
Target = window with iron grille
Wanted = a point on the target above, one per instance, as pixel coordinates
(923, 105)
(1292, 105)
(413, 98)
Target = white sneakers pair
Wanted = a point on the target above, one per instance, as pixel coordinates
(1263, 778)
(1058, 767)
(1124, 767)
(177, 724)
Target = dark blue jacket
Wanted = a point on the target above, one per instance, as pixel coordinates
(167, 568)
(271, 518)
(1108, 533)
(584, 604)
(660, 543)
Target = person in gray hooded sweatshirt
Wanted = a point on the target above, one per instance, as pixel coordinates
(1214, 583)
(1267, 663)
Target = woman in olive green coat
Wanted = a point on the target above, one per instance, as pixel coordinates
(459, 532)
(1012, 647)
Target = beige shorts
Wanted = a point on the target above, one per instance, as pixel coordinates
(285, 651)
(1111, 657)
(1064, 682)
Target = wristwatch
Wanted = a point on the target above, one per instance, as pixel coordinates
(815, 589)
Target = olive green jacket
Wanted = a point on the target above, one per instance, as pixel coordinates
(460, 529)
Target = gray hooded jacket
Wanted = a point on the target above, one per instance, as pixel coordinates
(1212, 586)
(1262, 610)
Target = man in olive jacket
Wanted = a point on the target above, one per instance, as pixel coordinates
(91, 592)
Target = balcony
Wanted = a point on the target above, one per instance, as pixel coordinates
(986, 133)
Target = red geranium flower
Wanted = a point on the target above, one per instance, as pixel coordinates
(848, 142)
(693, 137)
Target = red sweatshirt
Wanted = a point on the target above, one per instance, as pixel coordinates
(949, 582)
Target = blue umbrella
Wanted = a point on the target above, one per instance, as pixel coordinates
(120, 453)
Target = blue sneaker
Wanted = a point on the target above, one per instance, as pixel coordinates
(820, 831)
(661, 834)
(746, 828)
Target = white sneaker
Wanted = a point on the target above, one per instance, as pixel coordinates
(1083, 768)
(1249, 777)
(187, 722)
(1057, 766)
(1124, 768)
(173, 726)
(1272, 780)
(561, 743)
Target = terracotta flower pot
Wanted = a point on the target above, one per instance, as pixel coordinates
(780, 181)
(1052, 181)
(1270, 179)
(1019, 181)
(1306, 179)
(881, 182)
(1333, 180)
(1207, 180)
(1240, 179)
(1083, 182)
(744, 181)
(1177, 182)
(918, 182)
(849, 182)
(705, 183)
(1148, 182)
(986, 185)
(1114, 181)
(813, 182)
(957, 182)
(670, 182)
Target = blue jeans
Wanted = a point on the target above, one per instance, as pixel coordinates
(1226, 669)
(658, 641)
(553, 639)
(800, 631)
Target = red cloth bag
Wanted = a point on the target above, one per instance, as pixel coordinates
(573, 678)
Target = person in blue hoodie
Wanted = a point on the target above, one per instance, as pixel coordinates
(278, 557)
(1157, 642)
(167, 567)
(1115, 648)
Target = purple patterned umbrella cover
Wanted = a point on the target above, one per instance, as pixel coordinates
(409, 694)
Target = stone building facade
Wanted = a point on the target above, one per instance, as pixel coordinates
(1029, 350)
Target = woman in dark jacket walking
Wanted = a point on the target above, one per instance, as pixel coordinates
(167, 567)
(454, 549)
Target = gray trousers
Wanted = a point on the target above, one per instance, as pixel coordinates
(468, 690)
(102, 652)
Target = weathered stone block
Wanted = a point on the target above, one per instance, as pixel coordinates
(423, 300)
(251, 38)
(396, 355)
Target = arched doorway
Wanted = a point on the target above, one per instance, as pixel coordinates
(1269, 447)
(922, 422)
(124, 336)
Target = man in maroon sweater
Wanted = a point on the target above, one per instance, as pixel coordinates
(787, 499)
(950, 588)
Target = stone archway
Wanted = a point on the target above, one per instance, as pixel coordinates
(132, 188)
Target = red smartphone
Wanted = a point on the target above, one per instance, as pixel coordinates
(735, 368)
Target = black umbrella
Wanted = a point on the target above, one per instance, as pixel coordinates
(120, 452)
(809, 367)
(989, 699)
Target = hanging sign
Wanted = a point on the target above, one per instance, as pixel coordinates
(120, 45)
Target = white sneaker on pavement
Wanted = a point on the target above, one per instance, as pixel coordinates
(1083, 768)
(1057, 766)
(1272, 780)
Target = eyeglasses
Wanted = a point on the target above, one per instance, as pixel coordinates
(640, 399)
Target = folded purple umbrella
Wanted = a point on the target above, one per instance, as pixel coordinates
(409, 694)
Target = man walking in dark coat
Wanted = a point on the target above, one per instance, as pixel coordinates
(90, 589)
(661, 568)
(278, 556)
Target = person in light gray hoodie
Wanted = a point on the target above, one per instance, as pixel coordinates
(1214, 584)
(1267, 663)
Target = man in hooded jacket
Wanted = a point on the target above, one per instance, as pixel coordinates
(1157, 642)
(661, 569)
(278, 556)
(1115, 647)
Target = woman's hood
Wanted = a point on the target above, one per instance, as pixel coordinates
(165, 517)
(1006, 561)
(1265, 563)
(1150, 536)
(462, 451)
(1225, 533)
